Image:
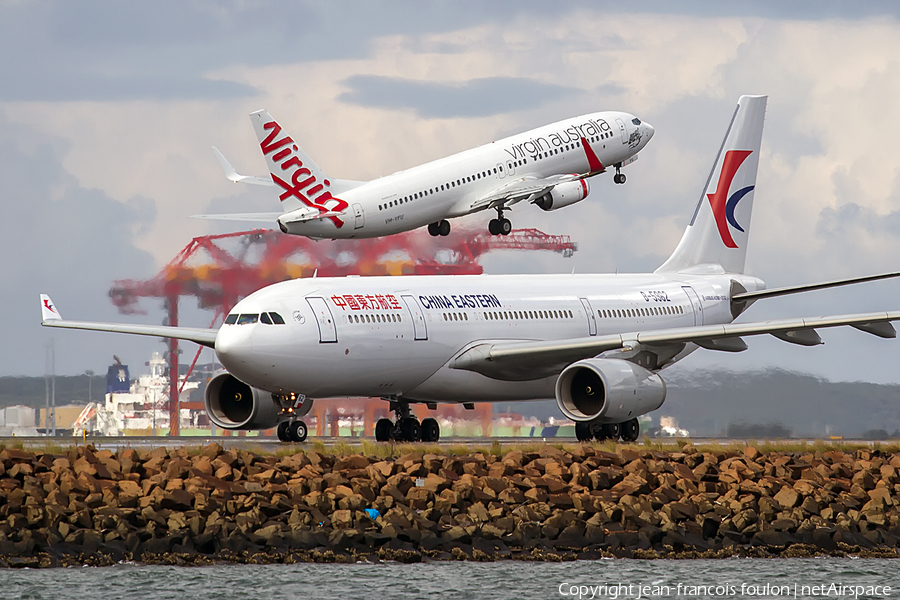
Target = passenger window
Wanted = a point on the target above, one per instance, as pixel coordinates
(264, 317)
(230, 319)
(244, 319)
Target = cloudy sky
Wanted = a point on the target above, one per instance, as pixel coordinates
(108, 109)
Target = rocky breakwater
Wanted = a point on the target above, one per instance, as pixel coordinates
(85, 506)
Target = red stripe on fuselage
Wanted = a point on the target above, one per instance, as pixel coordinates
(593, 162)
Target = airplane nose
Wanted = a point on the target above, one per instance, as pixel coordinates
(648, 130)
(233, 346)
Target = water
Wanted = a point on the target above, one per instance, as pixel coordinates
(463, 580)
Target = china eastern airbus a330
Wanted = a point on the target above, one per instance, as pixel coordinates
(595, 343)
(548, 166)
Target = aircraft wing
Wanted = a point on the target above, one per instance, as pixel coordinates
(50, 317)
(522, 188)
(522, 361)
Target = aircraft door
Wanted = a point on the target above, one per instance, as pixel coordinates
(359, 215)
(418, 318)
(510, 167)
(592, 321)
(623, 130)
(327, 329)
(695, 304)
(501, 173)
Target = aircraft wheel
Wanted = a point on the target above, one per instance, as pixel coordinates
(410, 430)
(298, 431)
(619, 178)
(505, 226)
(433, 229)
(431, 430)
(631, 430)
(383, 430)
(583, 432)
(598, 431)
(444, 227)
(494, 227)
(611, 430)
(283, 435)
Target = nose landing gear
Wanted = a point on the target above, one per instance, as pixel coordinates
(406, 428)
(619, 177)
(293, 406)
(292, 431)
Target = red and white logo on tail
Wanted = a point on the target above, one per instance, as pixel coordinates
(48, 309)
(302, 181)
(718, 232)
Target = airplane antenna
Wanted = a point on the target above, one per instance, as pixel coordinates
(316, 272)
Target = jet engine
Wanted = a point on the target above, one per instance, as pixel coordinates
(564, 194)
(232, 404)
(609, 390)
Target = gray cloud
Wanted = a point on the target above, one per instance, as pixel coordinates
(59, 238)
(846, 221)
(107, 50)
(55, 51)
(429, 99)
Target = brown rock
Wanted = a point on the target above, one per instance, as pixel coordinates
(536, 494)
(787, 497)
(682, 471)
(342, 519)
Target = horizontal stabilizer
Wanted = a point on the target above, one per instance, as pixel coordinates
(265, 217)
(796, 289)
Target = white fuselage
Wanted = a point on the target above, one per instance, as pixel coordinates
(455, 185)
(395, 336)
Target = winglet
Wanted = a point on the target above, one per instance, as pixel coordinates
(48, 309)
(230, 173)
(236, 177)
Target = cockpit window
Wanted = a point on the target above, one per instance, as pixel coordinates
(230, 319)
(636, 121)
(276, 318)
(244, 319)
(264, 317)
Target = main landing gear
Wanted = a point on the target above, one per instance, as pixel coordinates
(406, 428)
(500, 225)
(619, 177)
(292, 431)
(442, 227)
(627, 431)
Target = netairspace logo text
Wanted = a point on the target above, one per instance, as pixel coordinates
(617, 591)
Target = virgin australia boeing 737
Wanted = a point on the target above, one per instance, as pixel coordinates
(596, 343)
(548, 166)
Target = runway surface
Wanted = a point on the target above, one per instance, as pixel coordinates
(271, 444)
